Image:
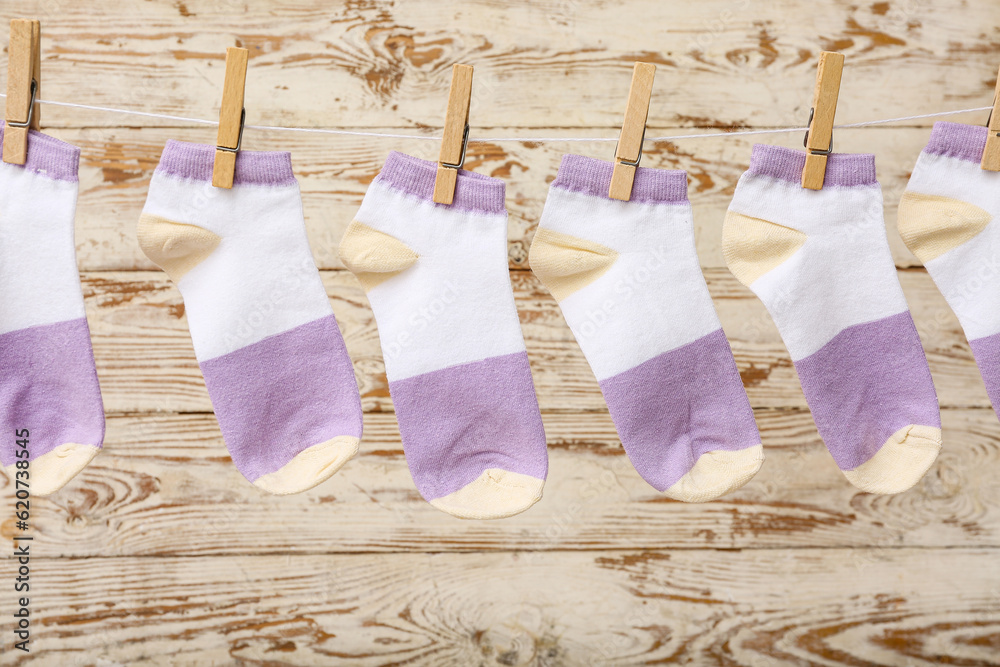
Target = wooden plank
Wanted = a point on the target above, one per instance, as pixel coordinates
(773, 607)
(146, 363)
(334, 173)
(381, 63)
(164, 485)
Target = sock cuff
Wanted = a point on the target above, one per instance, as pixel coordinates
(50, 157)
(843, 169)
(965, 142)
(593, 177)
(195, 161)
(473, 192)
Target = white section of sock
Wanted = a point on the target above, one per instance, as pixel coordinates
(261, 280)
(39, 279)
(652, 298)
(842, 275)
(455, 304)
(968, 275)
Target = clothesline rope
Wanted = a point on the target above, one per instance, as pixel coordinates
(472, 140)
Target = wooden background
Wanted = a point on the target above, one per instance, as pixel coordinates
(160, 553)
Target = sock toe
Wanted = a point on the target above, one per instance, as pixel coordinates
(717, 473)
(901, 461)
(53, 470)
(310, 467)
(495, 494)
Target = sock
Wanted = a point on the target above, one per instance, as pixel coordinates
(947, 219)
(820, 262)
(627, 278)
(274, 361)
(48, 387)
(437, 280)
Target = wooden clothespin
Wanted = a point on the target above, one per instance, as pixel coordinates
(231, 118)
(456, 134)
(24, 82)
(628, 152)
(991, 153)
(819, 136)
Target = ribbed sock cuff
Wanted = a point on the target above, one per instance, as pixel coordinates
(195, 161)
(50, 157)
(593, 177)
(843, 169)
(473, 192)
(965, 142)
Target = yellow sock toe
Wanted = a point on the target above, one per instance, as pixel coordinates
(52, 470)
(495, 494)
(717, 473)
(310, 467)
(900, 463)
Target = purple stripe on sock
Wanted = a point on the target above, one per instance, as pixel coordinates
(195, 161)
(987, 353)
(593, 177)
(283, 394)
(679, 405)
(49, 156)
(459, 421)
(845, 169)
(473, 192)
(868, 382)
(49, 386)
(965, 142)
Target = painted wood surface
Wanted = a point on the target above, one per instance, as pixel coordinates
(164, 485)
(784, 607)
(160, 553)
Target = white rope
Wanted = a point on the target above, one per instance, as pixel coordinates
(384, 135)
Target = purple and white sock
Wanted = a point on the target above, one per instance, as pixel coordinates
(51, 412)
(274, 361)
(820, 262)
(948, 219)
(437, 280)
(627, 278)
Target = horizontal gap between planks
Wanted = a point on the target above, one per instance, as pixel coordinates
(477, 129)
(481, 551)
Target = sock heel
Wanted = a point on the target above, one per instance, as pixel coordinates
(931, 225)
(754, 246)
(374, 256)
(175, 247)
(567, 263)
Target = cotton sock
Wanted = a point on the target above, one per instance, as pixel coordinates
(274, 362)
(820, 262)
(437, 280)
(947, 218)
(627, 278)
(48, 383)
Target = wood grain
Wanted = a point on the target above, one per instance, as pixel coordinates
(377, 63)
(160, 553)
(164, 485)
(763, 607)
(145, 361)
